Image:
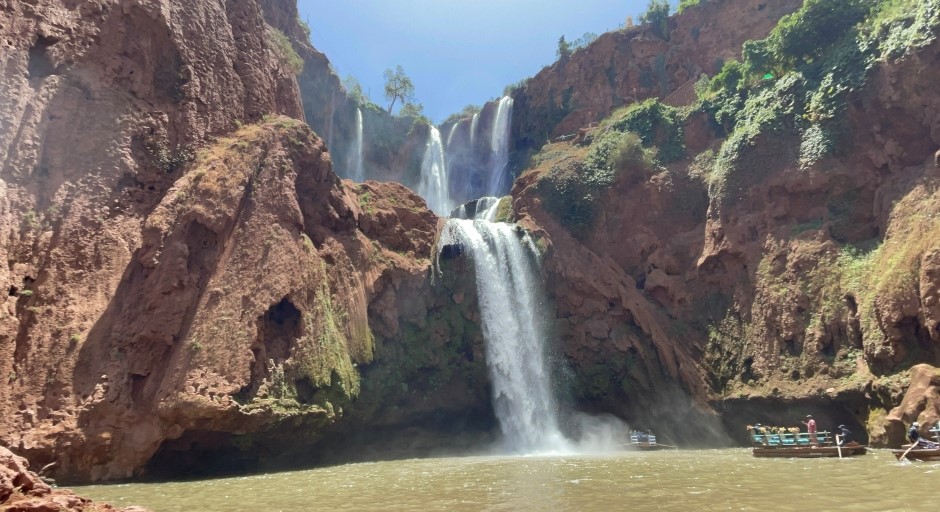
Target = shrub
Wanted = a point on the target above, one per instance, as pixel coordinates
(685, 4)
(571, 189)
(628, 153)
(656, 124)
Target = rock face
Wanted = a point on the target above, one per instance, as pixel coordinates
(184, 268)
(804, 288)
(23, 490)
(634, 64)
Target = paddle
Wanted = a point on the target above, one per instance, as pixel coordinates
(904, 455)
(838, 446)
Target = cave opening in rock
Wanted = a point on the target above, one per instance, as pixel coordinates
(280, 327)
(40, 65)
(199, 453)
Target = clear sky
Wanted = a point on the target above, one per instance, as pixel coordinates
(457, 52)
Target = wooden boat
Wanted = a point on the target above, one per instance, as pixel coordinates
(802, 445)
(926, 454)
(647, 442)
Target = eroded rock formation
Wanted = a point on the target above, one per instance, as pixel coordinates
(184, 268)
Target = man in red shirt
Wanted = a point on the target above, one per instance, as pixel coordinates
(811, 428)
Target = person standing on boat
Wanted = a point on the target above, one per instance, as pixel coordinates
(811, 428)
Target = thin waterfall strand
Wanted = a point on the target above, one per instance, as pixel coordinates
(473, 129)
(499, 147)
(358, 172)
(434, 181)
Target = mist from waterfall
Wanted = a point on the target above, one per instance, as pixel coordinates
(499, 147)
(434, 181)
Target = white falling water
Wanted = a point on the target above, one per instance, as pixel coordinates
(357, 171)
(453, 128)
(499, 147)
(482, 208)
(434, 182)
(473, 129)
(514, 328)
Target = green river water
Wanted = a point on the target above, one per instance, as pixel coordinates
(684, 480)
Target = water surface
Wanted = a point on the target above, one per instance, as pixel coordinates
(671, 481)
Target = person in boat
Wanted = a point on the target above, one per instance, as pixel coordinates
(844, 434)
(913, 434)
(811, 428)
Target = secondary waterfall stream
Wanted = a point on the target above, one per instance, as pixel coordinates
(499, 147)
(434, 182)
(514, 327)
(357, 172)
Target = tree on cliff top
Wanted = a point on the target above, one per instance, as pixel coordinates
(398, 86)
(657, 16)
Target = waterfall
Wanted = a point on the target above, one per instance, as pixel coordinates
(514, 327)
(499, 147)
(357, 173)
(453, 128)
(473, 130)
(434, 183)
(482, 208)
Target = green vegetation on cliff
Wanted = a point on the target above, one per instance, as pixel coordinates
(572, 187)
(819, 304)
(794, 85)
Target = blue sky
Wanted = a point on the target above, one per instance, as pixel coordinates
(457, 52)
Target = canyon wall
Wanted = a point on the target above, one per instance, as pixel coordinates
(184, 269)
(776, 286)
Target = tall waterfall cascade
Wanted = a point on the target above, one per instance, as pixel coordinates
(499, 147)
(434, 181)
(515, 329)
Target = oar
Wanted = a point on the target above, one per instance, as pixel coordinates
(904, 455)
(838, 446)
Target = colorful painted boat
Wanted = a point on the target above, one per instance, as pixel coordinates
(802, 445)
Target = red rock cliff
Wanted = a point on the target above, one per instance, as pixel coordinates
(184, 268)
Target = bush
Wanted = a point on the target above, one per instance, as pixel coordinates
(629, 153)
(685, 4)
(571, 190)
(656, 124)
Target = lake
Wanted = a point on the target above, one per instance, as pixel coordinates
(683, 480)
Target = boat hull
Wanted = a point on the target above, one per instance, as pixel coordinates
(809, 452)
(652, 447)
(926, 454)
